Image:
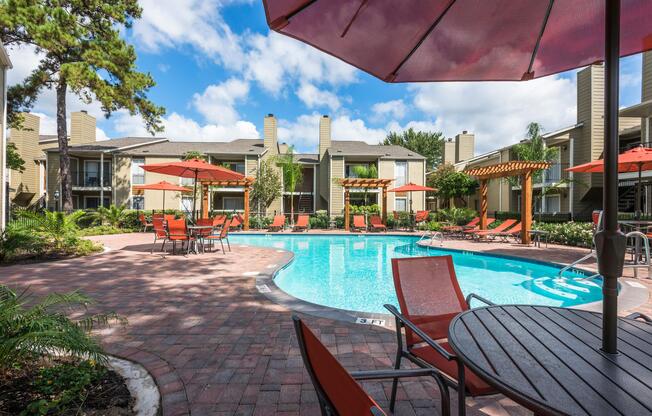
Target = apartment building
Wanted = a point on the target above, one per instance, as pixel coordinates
(5, 65)
(557, 190)
(106, 172)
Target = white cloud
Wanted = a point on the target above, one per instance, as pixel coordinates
(498, 112)
(394, 108)
(180, 128)
(195, 23)
(314, 97)
(217, 102)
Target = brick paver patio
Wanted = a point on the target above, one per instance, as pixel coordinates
(215, 345)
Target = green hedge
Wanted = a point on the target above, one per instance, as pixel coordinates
(568, 233)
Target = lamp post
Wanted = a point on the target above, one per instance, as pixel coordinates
(56, 200)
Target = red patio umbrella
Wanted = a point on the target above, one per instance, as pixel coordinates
(410, 187)
(480, 40)
(196, 169)
(162, 186)
(637, 159)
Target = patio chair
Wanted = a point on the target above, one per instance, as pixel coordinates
(221, 237)
(160, 233)
(338, 392)
(158, 215)
(169, 217)
(302, 223)
(514, 232)
(430, 297)
(178, 231)
(377, 223)
(471, 231)
(218, 220)
(638, 315)
(202, 233)
(499, 229)
(359, 223)
(144, 223)
(277, 224)
(422, 216)
(458, 228)
(236, 222)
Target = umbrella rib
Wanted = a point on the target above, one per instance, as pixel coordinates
(536, 46)
(299, 10)
(355, 16)
(432, 27)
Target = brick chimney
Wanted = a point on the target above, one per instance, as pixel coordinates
(464, 146)
(270, 134)
(324, 135)
(82, 128)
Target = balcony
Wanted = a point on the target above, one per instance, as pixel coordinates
(552, 176)
(91, 182)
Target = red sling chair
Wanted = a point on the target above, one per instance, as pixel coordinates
(338, 392)
(430, 297)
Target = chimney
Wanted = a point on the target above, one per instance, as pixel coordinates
(270, 134)
(324, 135)
(464, 146)
(82, 128)
(449, 151)
(26, 139)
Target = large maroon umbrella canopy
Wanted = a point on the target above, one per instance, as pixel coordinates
(460, 40)
(485, 40)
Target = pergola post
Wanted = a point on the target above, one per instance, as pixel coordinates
(483, 204)
(346, 209)
(385, 205)
(204, 201)
(526, 207)
(245, 226)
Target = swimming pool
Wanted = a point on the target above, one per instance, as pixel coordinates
(353, 272)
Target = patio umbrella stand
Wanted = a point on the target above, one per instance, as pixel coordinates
(464, 40)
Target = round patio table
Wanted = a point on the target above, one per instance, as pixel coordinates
(548, 359)
(196, 231)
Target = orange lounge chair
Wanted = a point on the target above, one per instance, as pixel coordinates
(514, 232)
(221, 237)
(499, 229)
(236, 222)
(458, 228)
(430, 297)
(302, 223)
(277, 224)
(377, 223)
(338, 392)
(144, 223)
(359, 223)
(160, 232)
(218, 220)
(477, 227)
(422, 216)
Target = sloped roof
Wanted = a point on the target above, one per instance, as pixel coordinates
(176, 148)
(358, 148)
(111, 144)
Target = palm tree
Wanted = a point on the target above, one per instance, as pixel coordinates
(534, 149)
(365, 171)
(113, 215)
(57, 226)
(292, 175)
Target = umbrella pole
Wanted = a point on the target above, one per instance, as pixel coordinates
(638, 193)
(610, 242)
(164, 202)
(194, 197)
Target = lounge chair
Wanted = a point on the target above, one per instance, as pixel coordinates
(277, 224)
(377, 223)
(458, 228)
(160, 232)
(421, 216)
(218, 220)
(144, 223)
(221, 237)
(338, 392)
(514, 232)
(302, 223)
(499, 229)
(430, 297)
(359, 223)
(178, 231)
(236, 222)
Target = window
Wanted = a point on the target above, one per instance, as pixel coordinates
(400, 204)
(186, 203)
(233, 203)
(187, 181)
(235, 166)
(553, 203)
(92, 202)
(137, 172)
(349, 169)
(400, 173)
(138, 202)
(74, 171)
(92, 173)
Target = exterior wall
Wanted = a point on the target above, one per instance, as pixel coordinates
(54, 182)
(324, 183)
(464, 146)
(270, 141)
(82, 128)
(646, 92)
(449, 152)
(27, 145)
(3, 144)
(121, 182)
(154, 199)
(416, 170)
(337, 192)
(386, 171)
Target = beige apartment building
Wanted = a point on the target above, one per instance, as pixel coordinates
(106, 172)
(5, 65)
(559, 191)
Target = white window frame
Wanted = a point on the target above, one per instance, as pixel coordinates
(232, 198)
(137, 171)
(549, 198)
(401, 198)
(396, 168)
(107, 200)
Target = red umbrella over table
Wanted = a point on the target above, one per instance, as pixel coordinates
(472, 40)
(162, 186)
(196, 169)
(409, 188)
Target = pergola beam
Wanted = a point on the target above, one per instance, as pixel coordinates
(238, 183)
(348, 183)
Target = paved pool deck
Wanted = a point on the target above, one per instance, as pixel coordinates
(216, 346)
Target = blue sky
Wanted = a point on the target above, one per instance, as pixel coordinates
(219, 70)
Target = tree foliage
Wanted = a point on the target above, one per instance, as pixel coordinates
(534, 149)
(365, 172)
(292, 175)
(451, 183)
(113, 215)
(81, 50)
(14, 161)
(266, 188)
(194, 154)
(426, 143)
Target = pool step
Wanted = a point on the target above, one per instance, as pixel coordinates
(542, 283)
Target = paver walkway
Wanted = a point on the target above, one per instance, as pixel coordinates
(213, 343)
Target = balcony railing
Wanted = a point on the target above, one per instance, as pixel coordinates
(93, 180)
(555, 174)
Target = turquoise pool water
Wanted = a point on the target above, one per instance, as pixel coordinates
(353, 272)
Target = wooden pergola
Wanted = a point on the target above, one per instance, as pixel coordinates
(239, 183)
(524, 169)
(373, 183)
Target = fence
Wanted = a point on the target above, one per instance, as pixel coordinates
(537, 216)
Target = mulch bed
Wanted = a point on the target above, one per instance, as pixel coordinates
(108, 396)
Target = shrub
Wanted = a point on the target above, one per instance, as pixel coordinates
(102, 230)
(259, 221)
(365, 209)
(568, 233)
(339, 221)
(320, 220)
(457, 216)
(15, 241)
(430, 226)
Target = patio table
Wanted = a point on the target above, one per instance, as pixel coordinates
(195, 231)
(548, 359)
(537, 234)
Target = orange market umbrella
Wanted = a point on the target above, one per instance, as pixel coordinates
(473, 40)
(162, 186)
(196, 169)
(410, 187)
(637, 159)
